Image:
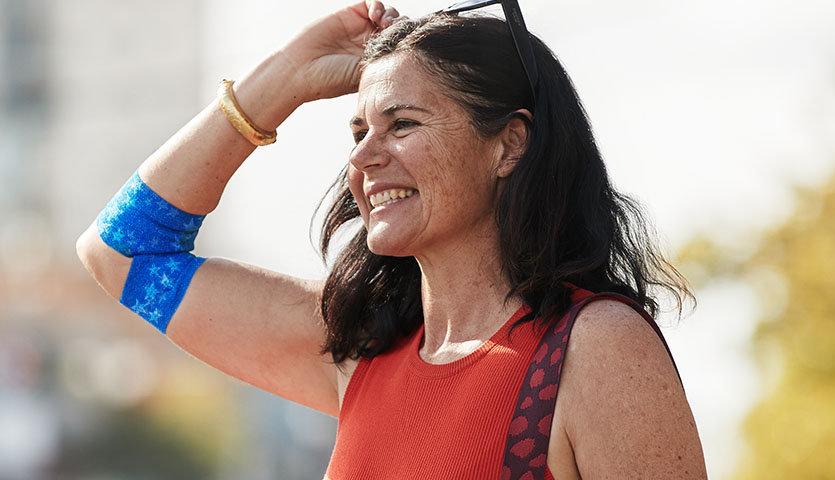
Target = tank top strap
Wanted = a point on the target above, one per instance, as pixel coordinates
(526, 447)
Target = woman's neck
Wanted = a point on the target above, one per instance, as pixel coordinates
(463, 292)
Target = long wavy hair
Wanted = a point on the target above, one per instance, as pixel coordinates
(559, 218)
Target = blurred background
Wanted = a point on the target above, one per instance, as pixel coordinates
(719, 116)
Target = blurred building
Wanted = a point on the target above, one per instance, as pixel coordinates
(85, 87)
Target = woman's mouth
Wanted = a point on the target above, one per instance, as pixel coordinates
(390, 196)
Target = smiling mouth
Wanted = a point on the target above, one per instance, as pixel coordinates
(390, 196)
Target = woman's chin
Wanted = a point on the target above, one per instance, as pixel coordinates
(389, 245)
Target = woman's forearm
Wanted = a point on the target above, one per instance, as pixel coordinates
(193, 167)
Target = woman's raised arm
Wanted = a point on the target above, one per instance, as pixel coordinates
(260, 326)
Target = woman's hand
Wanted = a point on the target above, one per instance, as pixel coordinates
(327, 53)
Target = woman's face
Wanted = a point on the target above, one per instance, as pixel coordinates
(423, 179)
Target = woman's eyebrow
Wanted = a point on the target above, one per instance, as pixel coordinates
(392, 109)
(388, 112)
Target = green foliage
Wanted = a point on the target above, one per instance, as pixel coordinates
(791, 432)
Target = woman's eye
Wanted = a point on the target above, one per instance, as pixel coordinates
(359, 135)
(403, 123)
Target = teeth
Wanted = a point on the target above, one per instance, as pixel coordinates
(390, 196)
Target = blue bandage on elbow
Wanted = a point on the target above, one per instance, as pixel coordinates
(137, 221)
(156, 285)
(140, 224)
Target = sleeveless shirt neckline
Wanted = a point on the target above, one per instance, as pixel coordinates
(423, 368)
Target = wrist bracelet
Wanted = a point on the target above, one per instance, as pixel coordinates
(242, 123)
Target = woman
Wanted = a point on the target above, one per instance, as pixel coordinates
(487, 222)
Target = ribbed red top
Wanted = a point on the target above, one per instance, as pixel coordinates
(405, 418)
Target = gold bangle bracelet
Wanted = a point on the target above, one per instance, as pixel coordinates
(242, 123)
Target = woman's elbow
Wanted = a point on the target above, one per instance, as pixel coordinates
(107, 266)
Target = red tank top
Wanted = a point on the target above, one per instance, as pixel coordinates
(404, 418)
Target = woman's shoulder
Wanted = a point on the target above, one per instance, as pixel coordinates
(604, 318)
(610, 337)
(620, 392)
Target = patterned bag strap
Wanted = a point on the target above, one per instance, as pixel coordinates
(526, 448)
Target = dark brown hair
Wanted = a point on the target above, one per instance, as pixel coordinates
(559, 218)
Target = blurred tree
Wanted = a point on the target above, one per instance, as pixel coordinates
(791, 432)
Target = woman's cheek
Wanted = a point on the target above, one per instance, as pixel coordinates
(355, 179)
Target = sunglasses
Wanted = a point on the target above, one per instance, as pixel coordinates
(518, 30)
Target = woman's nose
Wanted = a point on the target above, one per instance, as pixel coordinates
(369, 153)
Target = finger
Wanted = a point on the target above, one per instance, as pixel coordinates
(389, 16)
(376, 9)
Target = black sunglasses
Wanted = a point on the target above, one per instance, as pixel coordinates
(518, 30)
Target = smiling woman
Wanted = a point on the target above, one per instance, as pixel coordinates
(491, 237)
(419, 141)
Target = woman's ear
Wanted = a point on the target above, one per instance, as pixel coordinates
(514, 141)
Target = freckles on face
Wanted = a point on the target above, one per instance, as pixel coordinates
(419, 172)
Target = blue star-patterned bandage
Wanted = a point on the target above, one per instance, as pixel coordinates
(138, 220)
(140, 224)
(156, 284)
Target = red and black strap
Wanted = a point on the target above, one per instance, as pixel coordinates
(526, 449)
